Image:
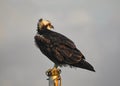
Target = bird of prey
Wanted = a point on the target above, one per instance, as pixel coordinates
(58, 48)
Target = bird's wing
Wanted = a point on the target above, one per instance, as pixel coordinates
(68, 55)
(65, 50)
(62, 48)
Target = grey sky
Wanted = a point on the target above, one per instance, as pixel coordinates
(94, 26)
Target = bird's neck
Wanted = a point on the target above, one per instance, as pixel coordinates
(43, 31)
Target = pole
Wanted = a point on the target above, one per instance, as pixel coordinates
(54, 76)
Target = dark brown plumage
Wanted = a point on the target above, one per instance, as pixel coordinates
(58, 48)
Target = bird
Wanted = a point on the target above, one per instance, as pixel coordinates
(61, 50)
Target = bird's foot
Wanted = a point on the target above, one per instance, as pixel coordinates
(55, 71)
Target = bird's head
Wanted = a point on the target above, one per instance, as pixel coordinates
(44, 24)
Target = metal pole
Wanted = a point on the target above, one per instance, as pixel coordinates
(54, 76)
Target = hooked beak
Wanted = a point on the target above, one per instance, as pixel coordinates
(52, 26)
(49, 27)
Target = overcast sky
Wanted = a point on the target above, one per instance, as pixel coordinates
(93, 25)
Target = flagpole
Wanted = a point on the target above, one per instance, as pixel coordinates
(54, 76)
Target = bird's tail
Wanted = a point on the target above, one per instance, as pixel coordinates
(85, 65)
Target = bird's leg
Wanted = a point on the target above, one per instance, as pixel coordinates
(49, 72)
(55, 66)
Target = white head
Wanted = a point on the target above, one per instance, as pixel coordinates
(44, 24)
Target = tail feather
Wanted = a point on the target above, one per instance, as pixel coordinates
(85, 65)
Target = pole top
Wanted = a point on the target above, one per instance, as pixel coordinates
(53, 72)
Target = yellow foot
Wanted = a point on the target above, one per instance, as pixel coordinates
(53, 72)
